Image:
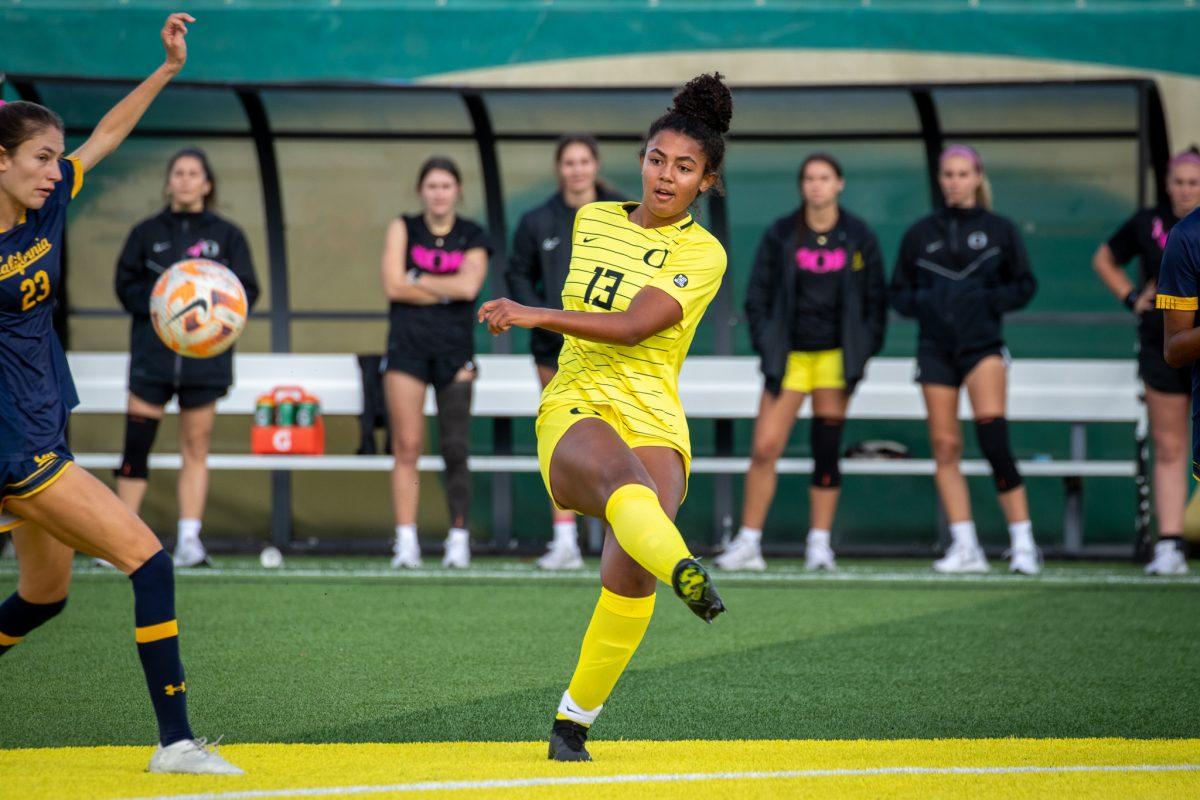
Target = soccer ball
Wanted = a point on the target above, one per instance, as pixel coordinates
(198, 308)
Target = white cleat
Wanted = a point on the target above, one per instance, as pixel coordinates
(100, 562)
(962, 558)
(1025, 561)
(191, 757)
(818, 556)
(1168, 559)
(406, 553)
(191, 553)
(741, 554)
(561, 556)
(458, 550)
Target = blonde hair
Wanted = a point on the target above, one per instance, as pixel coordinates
(983, 195)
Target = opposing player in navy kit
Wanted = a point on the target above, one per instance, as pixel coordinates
(1167, 389)
(1177, 297)
(50, 508)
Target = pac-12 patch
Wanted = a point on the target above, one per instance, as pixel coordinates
(681, 281)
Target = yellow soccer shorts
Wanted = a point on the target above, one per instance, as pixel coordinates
(554, 420)
(816, 369)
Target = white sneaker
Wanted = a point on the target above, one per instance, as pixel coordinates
(561, 555)
(962, 558)
(741, 554)
(817, 556)
(1168, 560)
(1025, 561)
(406, 553)
(191, 757)
(190, 553)
(458, 550)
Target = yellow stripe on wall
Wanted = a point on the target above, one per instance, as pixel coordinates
(154, 633)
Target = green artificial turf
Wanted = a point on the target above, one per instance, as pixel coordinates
(344, 658)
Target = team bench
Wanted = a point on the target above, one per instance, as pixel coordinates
(1074, 392)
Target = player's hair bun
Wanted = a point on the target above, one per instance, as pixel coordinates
(706, 98)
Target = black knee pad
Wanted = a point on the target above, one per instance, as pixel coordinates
(139, 438)
(993, 441)
(826, 447)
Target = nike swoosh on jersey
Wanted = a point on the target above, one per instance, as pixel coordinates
(576, 410)
(199, 302)
(587, 239)
(160, 247)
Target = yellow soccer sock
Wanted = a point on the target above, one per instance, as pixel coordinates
(644, 530)
(617, 627)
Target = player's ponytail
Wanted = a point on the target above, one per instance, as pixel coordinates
(703, 109)
(21, 120)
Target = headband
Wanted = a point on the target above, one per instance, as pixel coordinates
(1186, 157)
(964, 151)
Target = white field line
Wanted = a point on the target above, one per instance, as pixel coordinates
(775, 577)
(684, 777)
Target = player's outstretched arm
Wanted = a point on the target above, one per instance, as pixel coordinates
(651, 310)
(121, 118)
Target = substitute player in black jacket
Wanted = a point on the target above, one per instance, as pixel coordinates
(186, 228)
(537, 270)
(817, 308)
(1143, 236)
(959, 271)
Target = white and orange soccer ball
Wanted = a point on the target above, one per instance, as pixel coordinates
(198, 308)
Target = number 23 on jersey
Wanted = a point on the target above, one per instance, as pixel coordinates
(35, 289)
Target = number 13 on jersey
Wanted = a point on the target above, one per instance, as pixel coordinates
(602, 296)
(34, 290)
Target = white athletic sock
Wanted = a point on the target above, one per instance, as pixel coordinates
(963, 533)
(406, 533)
(818, 536)
(1021, 535)
(571, 710)
(458, 533)
(751, 535)
(566, 534)
(188, 530)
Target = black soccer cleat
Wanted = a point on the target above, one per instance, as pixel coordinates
(567, 741)
(694, 586)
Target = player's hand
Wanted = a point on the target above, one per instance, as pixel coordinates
(173, 33)
(1145, 300)
(502, 314)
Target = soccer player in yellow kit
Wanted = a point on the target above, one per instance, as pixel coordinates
(612, 438)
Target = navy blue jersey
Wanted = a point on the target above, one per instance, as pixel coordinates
(1177, 291)
(36, 390)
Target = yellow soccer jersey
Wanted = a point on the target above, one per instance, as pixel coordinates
(611, 260)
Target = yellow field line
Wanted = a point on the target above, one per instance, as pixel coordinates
(1010, 768)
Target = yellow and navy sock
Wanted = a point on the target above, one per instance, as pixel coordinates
(644, 530)
(18, 617)
(157, 637)
(617, 627)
